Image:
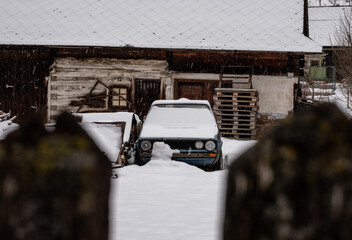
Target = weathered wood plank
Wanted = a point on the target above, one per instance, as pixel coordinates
(226, 108)
(73, 80)
(235, 125)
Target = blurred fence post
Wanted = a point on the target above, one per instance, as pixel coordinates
(53, 185)
(296, 183)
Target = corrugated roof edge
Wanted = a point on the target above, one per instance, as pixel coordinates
(330, 6)
(4, 45)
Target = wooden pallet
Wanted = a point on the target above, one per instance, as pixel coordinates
(252, 115)
(236, 108)
(235, 111)
(235, 102)
(238, 136)
(224, 124)
(242, 81)
(236, 98)
(246, 130)
(236, 92)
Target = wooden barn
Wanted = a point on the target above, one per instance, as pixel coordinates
(82, 56)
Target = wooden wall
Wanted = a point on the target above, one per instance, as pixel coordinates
(71, 80)
(264, 63)
(25, 68)
(22, 80)
(197, 61)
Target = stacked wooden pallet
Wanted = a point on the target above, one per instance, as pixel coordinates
(237, 80)
(236, 111)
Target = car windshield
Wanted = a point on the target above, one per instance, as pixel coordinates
(189, 121)
(180, 115)
(194, 106)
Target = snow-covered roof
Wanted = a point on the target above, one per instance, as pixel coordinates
(265, 25)
(324, 22)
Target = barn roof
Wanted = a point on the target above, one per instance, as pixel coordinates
(265, 25)
(324, 22)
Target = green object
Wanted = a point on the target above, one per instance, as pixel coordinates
(318, 73)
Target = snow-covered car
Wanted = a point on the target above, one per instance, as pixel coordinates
(186, 125)
(114, 133)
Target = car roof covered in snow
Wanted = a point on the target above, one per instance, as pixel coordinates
(249, 25)
(183, 123)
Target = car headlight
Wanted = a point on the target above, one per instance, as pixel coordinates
(199, 145)
(210, 145)
(146, 145)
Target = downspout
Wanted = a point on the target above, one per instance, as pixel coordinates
(305, 19)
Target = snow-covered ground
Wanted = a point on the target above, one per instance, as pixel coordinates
(164, 199)
(170, 200)
(337, 96)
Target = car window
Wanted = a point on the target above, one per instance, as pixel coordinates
(196, 106)
(181, 121)
(180, 116)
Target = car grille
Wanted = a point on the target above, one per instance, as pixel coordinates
(181, 155)
(181, 144)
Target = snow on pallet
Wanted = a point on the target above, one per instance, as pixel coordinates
(235, 111)
(242, 81)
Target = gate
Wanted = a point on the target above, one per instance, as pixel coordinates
(146, 91)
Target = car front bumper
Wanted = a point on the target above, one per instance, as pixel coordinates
(196, 159)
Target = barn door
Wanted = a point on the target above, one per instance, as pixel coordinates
(146, 91)
(191, 90)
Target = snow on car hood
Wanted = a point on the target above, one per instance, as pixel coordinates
(179, 123)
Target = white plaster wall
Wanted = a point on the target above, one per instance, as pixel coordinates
(169, 89)
(276, 94)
